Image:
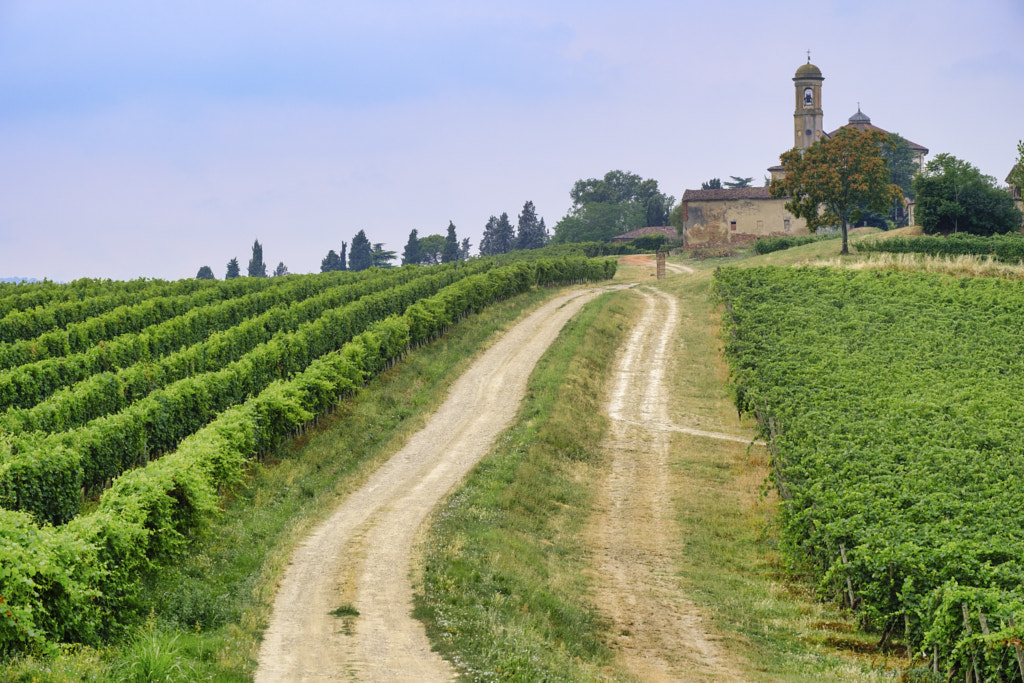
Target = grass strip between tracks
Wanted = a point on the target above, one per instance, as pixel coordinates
(503, 588)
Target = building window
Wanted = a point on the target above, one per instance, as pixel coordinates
(732, 225)
(785, 224)
(760, 226)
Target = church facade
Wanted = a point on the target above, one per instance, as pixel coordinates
(741, 215)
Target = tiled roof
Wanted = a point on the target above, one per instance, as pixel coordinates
(870, 126)
(666, 230)
(726, 194)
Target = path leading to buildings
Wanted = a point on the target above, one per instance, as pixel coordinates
(359, 558)
(659, 634)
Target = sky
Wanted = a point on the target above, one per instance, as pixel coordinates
(147, 139)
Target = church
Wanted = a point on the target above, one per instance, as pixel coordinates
(741, 215)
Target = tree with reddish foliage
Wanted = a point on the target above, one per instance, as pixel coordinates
(836, 179)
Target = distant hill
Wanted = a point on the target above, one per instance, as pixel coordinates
(18, 279)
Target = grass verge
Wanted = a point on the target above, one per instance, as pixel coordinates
(208, 611)
(729, 558)
(502, 590)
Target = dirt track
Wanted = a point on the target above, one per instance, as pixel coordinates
(658, 633)
(360, 556)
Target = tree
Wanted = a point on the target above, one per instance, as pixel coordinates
(431, 248)
(281, 269)
(499, 236)
(738, 182)
(606, 207)
(331, 262)
(342, 261)
(531, 231)
(713, 184)
(1017, 174)
(205, 273)
(464, 249)
(412, 253)
(380, 256)
(361, 257)
(233, 269)
(834, 178)
(450, 252)
(954, 196)
(675, 219)
(257, 268)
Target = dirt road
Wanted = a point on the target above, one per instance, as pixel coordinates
(658, 633)
(360, 556)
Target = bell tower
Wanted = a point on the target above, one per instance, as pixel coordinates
(807, 119)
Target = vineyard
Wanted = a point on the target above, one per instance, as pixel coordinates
(1005, 248)
(128, 408)
(891, 405)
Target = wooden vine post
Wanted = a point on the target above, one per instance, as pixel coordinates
(1017, 646)
(974, 660)
(984, 629)
(661, 265)
(849, 583)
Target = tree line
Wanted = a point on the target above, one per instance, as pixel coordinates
(602, 208)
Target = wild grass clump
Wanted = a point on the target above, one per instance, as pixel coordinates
(958, 266)
(503, 593)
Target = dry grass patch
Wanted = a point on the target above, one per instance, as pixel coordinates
(957, 266)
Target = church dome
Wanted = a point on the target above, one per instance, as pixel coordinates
(808, 70)
(860, 117)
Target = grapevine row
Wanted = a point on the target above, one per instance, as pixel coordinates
(42, 475)
(28, 384)
(101, 393)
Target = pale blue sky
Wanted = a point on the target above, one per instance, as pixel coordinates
(150, 138)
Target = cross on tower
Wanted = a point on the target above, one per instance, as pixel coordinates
(808, 56)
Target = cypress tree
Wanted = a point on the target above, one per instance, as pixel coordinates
(330, 262)
(233, 269)
(361, 257)
(450, 252)
(532, 233)
(412, 253)
(257, 268)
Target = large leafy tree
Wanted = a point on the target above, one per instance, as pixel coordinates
(431, 248)
(954, 196)
(1017, 174)
(361, 256)
(531, 231)
(713, 184)
(257, 268)
(205, 273)
(281, 269)
(902, 167)
(835, 179)
(233, 269)
(412, 254)
(499, 236)
(450, 251)
(609, 206)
